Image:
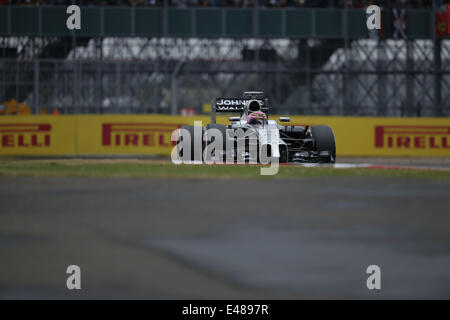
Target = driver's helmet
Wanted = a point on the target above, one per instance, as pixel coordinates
(256, 117)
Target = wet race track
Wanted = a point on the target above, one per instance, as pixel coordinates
(153, 239)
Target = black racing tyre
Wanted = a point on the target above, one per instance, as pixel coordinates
(193, 140)
(284, 154)
(324, 140)
(223, 129)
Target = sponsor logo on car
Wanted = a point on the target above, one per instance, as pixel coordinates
(412, 137)
(25, 135)
(137, 134)
(229, 104)
(228, 108)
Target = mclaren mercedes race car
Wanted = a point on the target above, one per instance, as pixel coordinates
(251, 136)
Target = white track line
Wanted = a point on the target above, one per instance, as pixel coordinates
(372, 166)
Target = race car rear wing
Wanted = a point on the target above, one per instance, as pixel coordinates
(234, 105)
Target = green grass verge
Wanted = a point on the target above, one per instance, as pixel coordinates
(161, 170)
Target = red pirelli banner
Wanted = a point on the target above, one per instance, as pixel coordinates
(37, 135)
(131, 134)
(408, 137)
(151, 134)
(367, 136)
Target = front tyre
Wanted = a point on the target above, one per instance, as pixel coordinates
(324, 141)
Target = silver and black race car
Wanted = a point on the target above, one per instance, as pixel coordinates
(251, 136)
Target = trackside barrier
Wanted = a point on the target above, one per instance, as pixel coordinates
(150, 134)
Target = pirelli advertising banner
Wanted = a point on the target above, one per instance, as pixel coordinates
(367, 136)
(142, 134)
(38, 135)
(134, 134)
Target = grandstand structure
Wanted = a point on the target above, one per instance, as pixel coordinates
(320, 61)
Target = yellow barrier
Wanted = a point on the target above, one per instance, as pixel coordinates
(150, 134)
(364, 136)
(38, 135)
(134, 134)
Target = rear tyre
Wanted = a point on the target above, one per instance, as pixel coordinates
(182, 145)
(223, 129)
(324, 140)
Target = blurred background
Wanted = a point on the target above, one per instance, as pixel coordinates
(312, 57)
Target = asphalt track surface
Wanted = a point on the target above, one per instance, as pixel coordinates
(233, 239)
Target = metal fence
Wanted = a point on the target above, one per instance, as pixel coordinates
(147, 75)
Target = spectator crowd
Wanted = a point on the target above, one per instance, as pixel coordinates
(236, 3)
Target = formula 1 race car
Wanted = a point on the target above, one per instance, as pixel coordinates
(252, 135)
